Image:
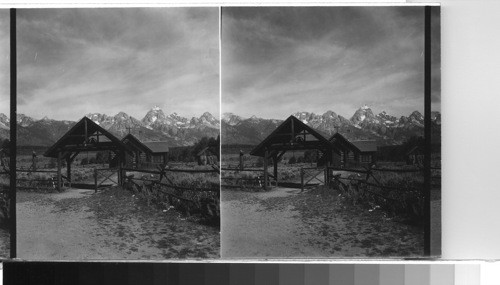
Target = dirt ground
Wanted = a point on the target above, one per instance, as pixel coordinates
(112, 224)
(4, 243)
(286, 223)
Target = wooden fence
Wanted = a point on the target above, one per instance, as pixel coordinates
(362, 186)
(156, 186)
(37, 183)
(238, 182)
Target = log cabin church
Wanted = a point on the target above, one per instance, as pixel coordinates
(145, 154)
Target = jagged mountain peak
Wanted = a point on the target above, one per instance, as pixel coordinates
(24, 121)
(330, 113)
(363, 114)
(231, 119)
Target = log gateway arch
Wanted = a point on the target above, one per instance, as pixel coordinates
(292, 135)
(85, 136)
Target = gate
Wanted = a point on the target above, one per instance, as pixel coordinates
(308, 175)
(105, 174)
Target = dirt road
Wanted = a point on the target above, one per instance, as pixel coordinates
(286, 223)
(112, 224)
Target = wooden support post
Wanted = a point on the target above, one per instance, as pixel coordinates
(326, 175)
(301, 180)
(275, 164)
(241, 161)
(68, 169)
(120, 169)
(59, 165)
(95, 179)
(265, 169)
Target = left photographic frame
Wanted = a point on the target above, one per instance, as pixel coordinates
(118, 133)
(7, 221)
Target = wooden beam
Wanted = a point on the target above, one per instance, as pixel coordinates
(68, 169)
(266, 178)
(86, 132)
(297, 147)
(72, 158)
(281, 154)
(59, 165)
(275, 164)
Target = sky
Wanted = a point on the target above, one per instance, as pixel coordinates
(281, 60)
(4, 62)
(77, 61)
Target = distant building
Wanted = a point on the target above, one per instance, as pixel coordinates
(354, 152)
(367, 151)
(145, 154)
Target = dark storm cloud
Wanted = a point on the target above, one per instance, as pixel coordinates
(279, 60)
(111, 60)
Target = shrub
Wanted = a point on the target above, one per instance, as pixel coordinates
(292, 160)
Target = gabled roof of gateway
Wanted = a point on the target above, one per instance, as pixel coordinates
(85, 136)
(292, 134)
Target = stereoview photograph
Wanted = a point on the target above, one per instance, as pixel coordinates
(323, 132)
(118, 134)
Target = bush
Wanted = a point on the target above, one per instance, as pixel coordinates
(292, 160)
(84, 161)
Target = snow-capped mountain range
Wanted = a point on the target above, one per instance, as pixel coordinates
(364, 124)
(155, 126)
(178, 130)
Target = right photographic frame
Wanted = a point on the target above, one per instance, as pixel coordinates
(330, 132)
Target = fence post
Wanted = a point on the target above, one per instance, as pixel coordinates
(326, 177)
(301, 180)
(95, 179)
(241, 160)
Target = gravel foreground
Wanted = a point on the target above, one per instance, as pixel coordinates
(112, 224)
(284, 223)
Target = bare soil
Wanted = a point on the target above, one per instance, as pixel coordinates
(284, 223)
(4, 243)
(114, 224)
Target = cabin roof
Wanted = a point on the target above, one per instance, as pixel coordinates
(366, 146)
(157, 147)
(340, 140)
(153, 147)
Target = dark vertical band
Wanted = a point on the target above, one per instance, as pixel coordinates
(13, 132)
(427, 133)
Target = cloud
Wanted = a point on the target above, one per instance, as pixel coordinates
(76, 61)
(4, 62)
(276, 61)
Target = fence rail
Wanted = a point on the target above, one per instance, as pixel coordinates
(209, 207)
(171, 170)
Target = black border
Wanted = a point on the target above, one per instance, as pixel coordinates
(13, 134)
